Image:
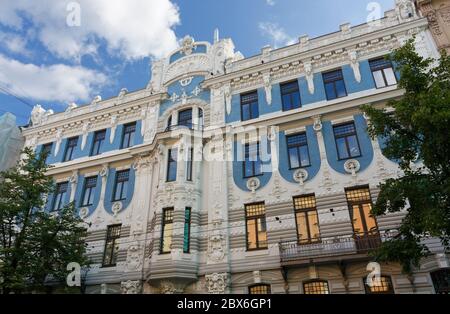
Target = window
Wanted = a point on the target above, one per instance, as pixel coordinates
(290, 95)
(200, 118)
(169, 123)
(46, 150)
(121, 185)
(128, 135)
(70, 148)
(167, 229)
(87, 198)
(346, 141)
(185, 118)
(441, 281)
(60, 196)
(383, 72)
(384, 286)
(172, 165)
(306, 219)
(256, 226)
(252, 161)
(364, 223)
(99, 138)
(187, 230)
(334, 84)
(189, 164)
(111, 245)
(316, 287)
(298, 151)
(249, 106)
(259, 289)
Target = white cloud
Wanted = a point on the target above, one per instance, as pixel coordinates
(14, 43)
(276, 34)
(131, 29)
(58, 82)
(270, 2)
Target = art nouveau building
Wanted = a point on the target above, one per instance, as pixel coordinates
(235, 175)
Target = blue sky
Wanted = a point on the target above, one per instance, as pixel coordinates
(48, 59)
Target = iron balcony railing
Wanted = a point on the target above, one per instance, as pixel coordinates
(190, 126)
(334, 246)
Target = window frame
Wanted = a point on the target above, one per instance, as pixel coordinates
(313, 281)
(260, 285)
(131, 134)
(298, 151)
(61, 200)
(165, 222)
(387, 65)
(91, 191)
(169, 161)
(190, 165)
(255, 218)
(113, 238)
(44, 148)
(311, 240)
(116, 183)
(258, 159)
(99, 141)
(186, 121)
(250, 104)
(346, 136)
(187, 224)
(391, 290)
(70, 147)
(360, 203)
(328, 81)
(290, 93)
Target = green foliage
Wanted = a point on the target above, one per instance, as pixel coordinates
(35, 244)
(417, 135)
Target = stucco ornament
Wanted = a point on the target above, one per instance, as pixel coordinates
(355, 65)
(405, 9)
(39, 115)
(253, 184)
(216, 247)
(59, 135)
(186, 81)
(104, 171)
(352, 166)
(116, 208)
(71, 107)
(268, 87)
(300, 176)
(317, 126)
(167, 287)
(84, 212)
(86, 127)
(227, 95)
(217, 283)
(131, 287)
(309, 76)
(122, 93)
(134, 257)
(113, 128)
(187, 45)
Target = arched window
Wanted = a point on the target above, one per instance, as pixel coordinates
(384, 286)
(185, 118)
(259, 289)
(441, 281)
(316, 287)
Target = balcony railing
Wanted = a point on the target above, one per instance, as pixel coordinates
(190, 126)
(329, 247)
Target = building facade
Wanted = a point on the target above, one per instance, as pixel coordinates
(438, 14)
(240, 175)
(11, 141)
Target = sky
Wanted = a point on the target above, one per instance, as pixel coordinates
(55, 52)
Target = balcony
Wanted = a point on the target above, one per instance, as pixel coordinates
(184, 126)
(331, 249)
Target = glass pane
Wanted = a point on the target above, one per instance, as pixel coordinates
(329, 88)
(390, 76)
(304, 156)
(302, 228)
(124, 190)
(287, 102)
(251, 234)
(248, 169)
(131, 140)
(245, 112)
(86, 197)
(255, 110)
(295, 100)
(293, 157)
(117, 195)
(313, 225)
(167, 238)
(262, 233)
(91, 196)
(370, 220)
(108, 253)
(357, 222)
(258, 167)
(353, 146)
(172, 176)
(126, 139)
(340, 88)
(379, 80)
(342, 148)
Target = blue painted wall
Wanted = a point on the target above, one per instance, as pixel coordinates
(314, 156)
(79, 194)
(238, 167)
(110, 188)
(319, 90)
(351, 84)
(364, 142)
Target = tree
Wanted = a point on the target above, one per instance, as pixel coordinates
(417, 136)
(36, 245)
